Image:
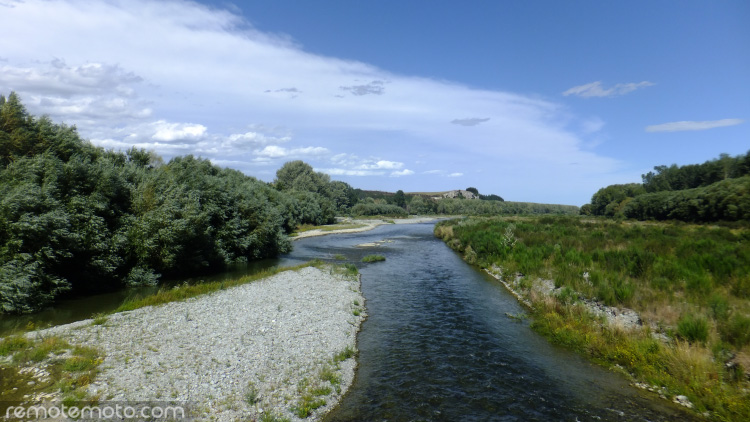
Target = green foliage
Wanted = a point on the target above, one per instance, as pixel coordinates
(728, 200)
(610, 201)
(11, 344)
(673, 178)
(693, 328)
(491, 197)
(736, 331)
(363, 209)
(75, 218)
(345, 354)
(421, 205)
(450, 206)
(718, 190)
(399, 199)
(373, 258)
(272, 417)
(318, 198)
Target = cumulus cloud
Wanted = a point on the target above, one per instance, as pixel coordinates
(469, 122)
(596, 89)
(404, 172)
(692, 125)
(169, 132)
(178, 77)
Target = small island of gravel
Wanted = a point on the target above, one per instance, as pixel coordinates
(281, 347)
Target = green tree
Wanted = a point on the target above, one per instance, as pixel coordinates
(399, 199)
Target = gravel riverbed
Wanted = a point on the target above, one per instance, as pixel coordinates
(237, 354)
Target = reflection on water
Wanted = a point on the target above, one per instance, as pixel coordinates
(75, 309)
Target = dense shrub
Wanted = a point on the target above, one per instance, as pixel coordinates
(363, 209)
(76, 218)
(693, 328)
(728, 200)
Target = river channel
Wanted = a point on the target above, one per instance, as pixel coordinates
(439, 344)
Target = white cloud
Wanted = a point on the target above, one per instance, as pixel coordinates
(274, 151)
(595, 89)
(404, 172)
(350, 172)
(169, 132)
(455, 175)
(381, 164)
(178, 77)
(255, 139)
(691, 125)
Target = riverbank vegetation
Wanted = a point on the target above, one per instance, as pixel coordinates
(690, 284)
(77, 219)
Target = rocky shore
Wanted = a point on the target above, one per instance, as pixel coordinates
(281, 348)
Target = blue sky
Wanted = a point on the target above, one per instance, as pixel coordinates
(539, 101)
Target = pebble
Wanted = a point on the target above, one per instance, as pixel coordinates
(270, 334)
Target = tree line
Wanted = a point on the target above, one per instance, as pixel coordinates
(75, 218)
(717, 190)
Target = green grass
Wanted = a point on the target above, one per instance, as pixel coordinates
(99, 319)
(691, 280)
(373, 258)
(272, 417)
(71, 368)
(345, 354)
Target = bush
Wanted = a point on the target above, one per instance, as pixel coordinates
(77, 218)
(737, 330)
(693, 328)
(373, 258)
(389, 210)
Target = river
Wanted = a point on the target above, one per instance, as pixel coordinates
(439, 345)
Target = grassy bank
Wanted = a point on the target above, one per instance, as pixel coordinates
(690, 285)
(184, 292)
(45, 368)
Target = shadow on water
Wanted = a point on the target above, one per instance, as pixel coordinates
(76, 309)
(438, 345)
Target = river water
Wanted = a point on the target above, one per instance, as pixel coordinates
(438, 344)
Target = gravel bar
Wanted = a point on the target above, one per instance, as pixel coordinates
(236, 354)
